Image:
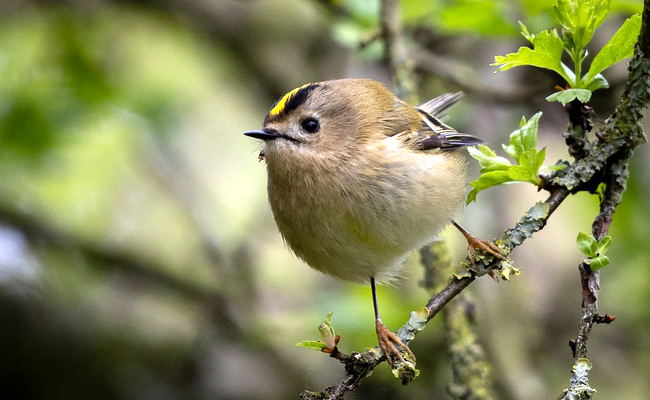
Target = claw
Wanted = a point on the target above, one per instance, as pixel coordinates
(474, 243)
(388, 340)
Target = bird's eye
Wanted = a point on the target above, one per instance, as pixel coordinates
(310, 125)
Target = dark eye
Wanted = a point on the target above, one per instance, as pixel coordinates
(310, 125)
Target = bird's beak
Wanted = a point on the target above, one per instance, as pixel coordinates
(264, 135)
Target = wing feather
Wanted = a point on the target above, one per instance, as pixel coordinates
(434, 133)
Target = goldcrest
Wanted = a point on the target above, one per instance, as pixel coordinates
(358, 179)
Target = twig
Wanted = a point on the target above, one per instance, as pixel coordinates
(621, 135)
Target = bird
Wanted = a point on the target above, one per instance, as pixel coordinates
(358, 179)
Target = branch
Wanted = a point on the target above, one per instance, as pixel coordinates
(400, 66)
(622, 134)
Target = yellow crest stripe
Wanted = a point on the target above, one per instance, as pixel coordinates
(279, 107)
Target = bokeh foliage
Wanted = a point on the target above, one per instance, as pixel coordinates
(138, 256)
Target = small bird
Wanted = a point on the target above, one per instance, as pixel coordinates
(358, 179)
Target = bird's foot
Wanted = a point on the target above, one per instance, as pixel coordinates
(388, 342)
(474, 243)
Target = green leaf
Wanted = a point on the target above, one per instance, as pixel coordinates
(567, 96)
(312, 344)
(488, 159)
(620, 46)
(546, 53)
(587, 244)
(485, 17)
(598, 82)
(524, 138)
(327, 335)
(580, 18)
(498, 170)
(598, 262)
(485, 181)
(603, 245)
(525, 33)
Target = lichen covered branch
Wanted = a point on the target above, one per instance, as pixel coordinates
(622, 134)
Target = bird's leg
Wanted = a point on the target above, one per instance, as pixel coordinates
(475, 243)
(387, 339)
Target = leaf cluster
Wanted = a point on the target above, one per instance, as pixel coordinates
(579, 20)
(594, 250)
(496, 170)
(328, 337)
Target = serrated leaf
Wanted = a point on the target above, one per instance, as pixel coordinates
(587, 244)
(546, 53)
(487, 159)
(603, 245)
(620, 46)
(312, 344)
(567, 96)
(598, 262)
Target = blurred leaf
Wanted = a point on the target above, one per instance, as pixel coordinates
(26, 128)
(485, 17)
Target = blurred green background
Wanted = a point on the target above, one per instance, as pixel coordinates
(138, 255)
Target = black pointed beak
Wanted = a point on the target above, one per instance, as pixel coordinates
(264, 135)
